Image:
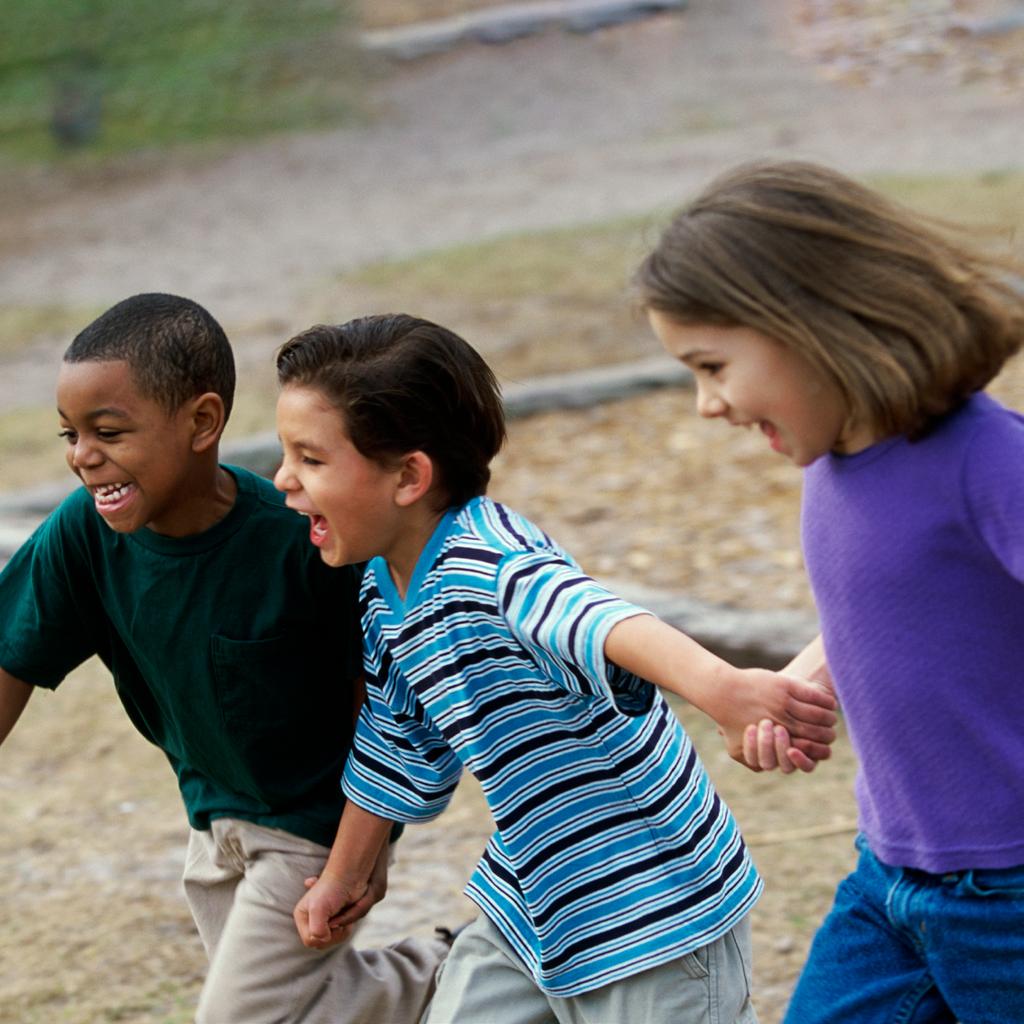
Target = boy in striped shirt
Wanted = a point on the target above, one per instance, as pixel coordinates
(616, 886)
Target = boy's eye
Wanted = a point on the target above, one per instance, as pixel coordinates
(104, 434)
(308, 460)
(710, 368)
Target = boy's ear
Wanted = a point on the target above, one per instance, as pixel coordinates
(415, 478)
(208, 421)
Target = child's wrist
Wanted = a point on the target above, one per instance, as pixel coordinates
(718, 688)
(347, 871)
(348, 885)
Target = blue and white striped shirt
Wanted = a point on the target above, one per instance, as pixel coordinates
(613, 853)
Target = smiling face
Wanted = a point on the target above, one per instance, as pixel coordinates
(134, 457)
(750, 380)
(350, 499)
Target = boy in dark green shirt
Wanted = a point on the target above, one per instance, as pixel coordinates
(220, 624)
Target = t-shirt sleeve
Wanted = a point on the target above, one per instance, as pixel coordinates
(563, 617)
(45, 632)
(994, 490)
(400, 767)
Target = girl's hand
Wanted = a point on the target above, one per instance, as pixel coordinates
(767, 746)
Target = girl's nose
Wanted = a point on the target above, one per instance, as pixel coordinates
(709, 404)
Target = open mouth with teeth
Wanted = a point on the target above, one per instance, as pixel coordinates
(318, 529)
(769, 431)
(112, 497)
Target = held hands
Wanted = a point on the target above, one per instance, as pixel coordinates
(796, 721)
(767, 746)
(327, 914)
(733, 697)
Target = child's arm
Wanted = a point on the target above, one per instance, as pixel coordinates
(345, 884)
(14, 695)
(653, 650)
(766, 745)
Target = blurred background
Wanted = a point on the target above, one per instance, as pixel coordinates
(500, 168)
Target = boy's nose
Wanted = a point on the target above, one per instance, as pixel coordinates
(281, 478)
(85, 455)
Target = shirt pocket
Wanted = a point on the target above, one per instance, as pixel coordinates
(287, 714)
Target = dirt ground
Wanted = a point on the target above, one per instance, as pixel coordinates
(484, 141)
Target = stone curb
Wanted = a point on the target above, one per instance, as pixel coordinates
(20, 513)
(508, 22)
(578, 390)
(1012, 21)
(583, 388)
(746, 638)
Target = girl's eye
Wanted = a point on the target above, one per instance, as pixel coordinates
(107, 435)
(711, 369)
(308, 460)
(69, 435)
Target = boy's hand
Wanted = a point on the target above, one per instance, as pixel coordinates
(804, 710)
(317, 914)
(734, 698)
(325, 916)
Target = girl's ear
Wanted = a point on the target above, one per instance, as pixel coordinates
(415, 478)
(208, 420)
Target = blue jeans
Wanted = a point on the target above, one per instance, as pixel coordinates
(902, 946)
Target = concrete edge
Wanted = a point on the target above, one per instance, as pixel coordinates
(745, 637)
(261, 452)
(998, 25)
(584, 388)
(508, 22)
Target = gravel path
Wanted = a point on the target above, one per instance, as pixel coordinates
(550, 130)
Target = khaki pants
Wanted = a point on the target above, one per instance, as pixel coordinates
(484, 982)
(242, 882)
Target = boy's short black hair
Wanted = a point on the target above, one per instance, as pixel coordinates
(175, 348)
(403, 384)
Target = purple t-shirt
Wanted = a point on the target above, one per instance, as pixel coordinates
(916, 556)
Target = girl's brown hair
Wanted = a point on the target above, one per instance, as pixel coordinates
(908, 322)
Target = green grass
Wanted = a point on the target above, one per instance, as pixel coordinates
(555, 300)
(22, 326)
(593, 261)
(30, 450)
(534, 303)
(991, 202)
(155, 73)
(589, 262)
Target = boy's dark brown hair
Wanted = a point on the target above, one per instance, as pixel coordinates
(403, 384)
(907, 321)
(175, 348)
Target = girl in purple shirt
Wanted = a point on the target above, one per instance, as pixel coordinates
(857, 338)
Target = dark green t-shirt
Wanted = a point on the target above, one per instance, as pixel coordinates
(233, 650)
